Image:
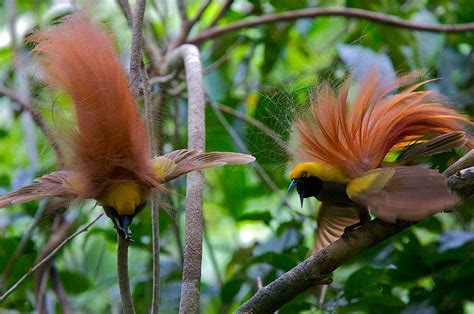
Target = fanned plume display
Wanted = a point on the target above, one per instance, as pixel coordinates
(355, 137)
(79, 58)
(109, 157)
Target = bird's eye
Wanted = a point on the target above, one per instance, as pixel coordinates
(303, 174)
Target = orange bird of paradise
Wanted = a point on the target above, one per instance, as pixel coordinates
(109, 157)
(341, 146)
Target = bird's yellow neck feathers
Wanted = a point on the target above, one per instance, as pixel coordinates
(321, 170)
(124, 197)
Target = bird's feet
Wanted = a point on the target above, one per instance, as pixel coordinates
(348, 231)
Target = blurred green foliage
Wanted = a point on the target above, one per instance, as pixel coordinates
(266, 73)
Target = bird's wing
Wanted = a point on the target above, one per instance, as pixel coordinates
(402, 193)
(439, 144)
(59, 183)
(178, 162)
(331, 224)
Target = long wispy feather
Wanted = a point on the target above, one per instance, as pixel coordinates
(356, 137)
(110, 142)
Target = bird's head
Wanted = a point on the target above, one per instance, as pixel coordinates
(308, 178)
(121, 202)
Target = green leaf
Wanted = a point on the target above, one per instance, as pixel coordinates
(230, 289)
(365, 281)
(280, 261)
(262, 215)
(74, 282)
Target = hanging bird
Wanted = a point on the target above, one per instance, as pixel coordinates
(109, 158)
(341, 146)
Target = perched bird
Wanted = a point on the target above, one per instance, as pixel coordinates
(340, 146)
(108, 155)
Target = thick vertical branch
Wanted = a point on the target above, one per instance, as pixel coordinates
(134, 80)
(136, 50)
(155, 210)
(122, 271)
(155, 219)
(189, 54)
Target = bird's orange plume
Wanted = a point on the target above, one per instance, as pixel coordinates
(356, 137)
(110, 142)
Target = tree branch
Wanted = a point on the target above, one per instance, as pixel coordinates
(182, 10)
(122, 273)
(127, 11)
(381, 18)
(134, 85)
(462, 182)
(187, 25)
(222, 12)
(136, 49)
(47, 258)
(189, 54)
(155, 220)
(315, 269)
(155, 210)
(464, 162)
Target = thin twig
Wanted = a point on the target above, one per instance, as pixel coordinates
(199, 13)
(315, 269)
(381, 18)
(155, 210)
(127, 11)
(189, 55)
(182, 10)
(187, 25)
(122, 272)
(225, 57)
(152, 51)
(155, 219)
(47, 258)
(222, 12)
(160, 79)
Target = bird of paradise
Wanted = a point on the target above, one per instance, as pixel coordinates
(341, 146)
(108, 154)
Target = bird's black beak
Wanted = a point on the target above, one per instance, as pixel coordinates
(121, 224)
(295, 183)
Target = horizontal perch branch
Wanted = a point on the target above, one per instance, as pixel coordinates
(315, 269)
(288, 16)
